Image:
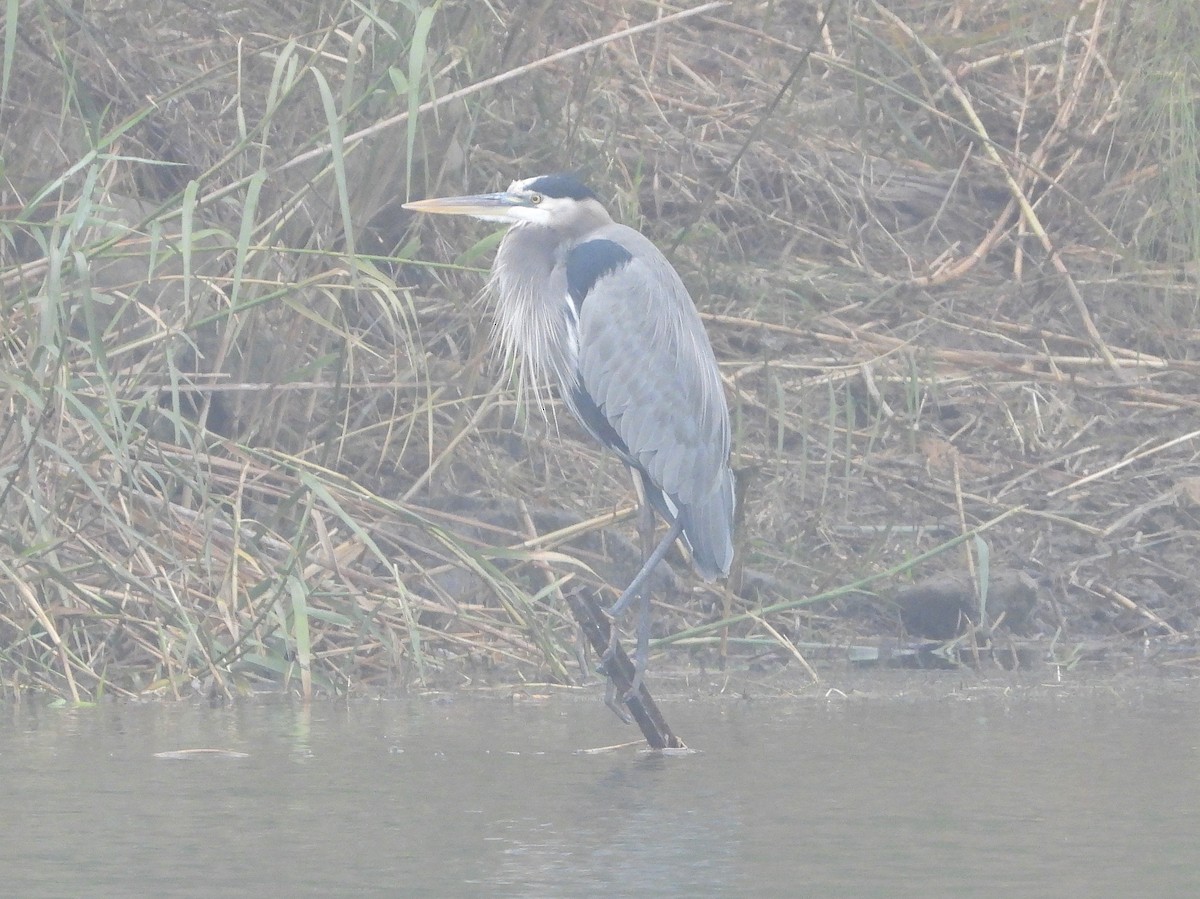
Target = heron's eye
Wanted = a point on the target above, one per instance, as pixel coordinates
(535, 199)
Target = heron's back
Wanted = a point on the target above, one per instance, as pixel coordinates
(649, 386)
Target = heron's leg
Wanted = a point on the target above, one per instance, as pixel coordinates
(635, 586)
(645, 522)
(645, 526)
(635, 592)
(641, 656)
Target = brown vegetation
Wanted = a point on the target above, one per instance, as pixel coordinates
(249, 431)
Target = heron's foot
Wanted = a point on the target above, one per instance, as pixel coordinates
(610, 654)
(609, 659)
(610, 700)
(641, 656)
(610, 688)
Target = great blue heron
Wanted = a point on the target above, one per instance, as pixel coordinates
(594, 307)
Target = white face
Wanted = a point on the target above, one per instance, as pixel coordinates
(541, 210)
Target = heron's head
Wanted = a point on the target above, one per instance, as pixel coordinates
(561, 202)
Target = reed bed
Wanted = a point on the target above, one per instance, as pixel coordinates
(251, 437)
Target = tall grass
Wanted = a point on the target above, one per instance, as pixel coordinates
(247, 440)
(1163, 217)
(188, 351)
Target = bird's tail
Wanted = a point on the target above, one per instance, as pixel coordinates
(708, 529)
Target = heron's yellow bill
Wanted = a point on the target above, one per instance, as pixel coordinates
(489, 206)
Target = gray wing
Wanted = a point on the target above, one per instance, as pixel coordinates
(646, 365)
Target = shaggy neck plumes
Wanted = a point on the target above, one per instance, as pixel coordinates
(533, 328)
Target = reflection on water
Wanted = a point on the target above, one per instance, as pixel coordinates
(1096, 793)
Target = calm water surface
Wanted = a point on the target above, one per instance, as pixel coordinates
(1042, 793)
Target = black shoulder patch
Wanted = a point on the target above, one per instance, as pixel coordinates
(564, 186)
(589, 262)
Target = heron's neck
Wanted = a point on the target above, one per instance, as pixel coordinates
(532, 326)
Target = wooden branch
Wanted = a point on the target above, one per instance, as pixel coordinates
(597, 628)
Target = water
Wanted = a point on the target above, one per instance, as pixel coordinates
(1033, 793)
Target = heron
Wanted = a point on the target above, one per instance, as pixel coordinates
(593, 307)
